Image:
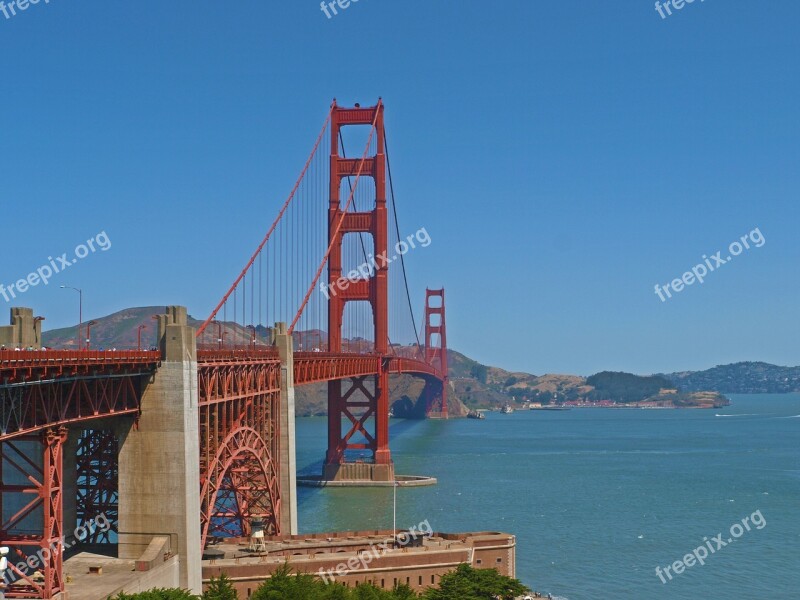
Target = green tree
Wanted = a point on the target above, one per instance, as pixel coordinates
(283, 585)
(220, 588)
(479, 372)
(404, 592)
(625, 387)
(367, 591)
(158, 594)
(466, 583)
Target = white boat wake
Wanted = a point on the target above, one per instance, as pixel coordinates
(741, 415)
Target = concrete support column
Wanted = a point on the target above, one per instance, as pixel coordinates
(159, 460)
(287, 446)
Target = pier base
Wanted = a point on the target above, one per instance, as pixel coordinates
(359, 472)
(399, 481)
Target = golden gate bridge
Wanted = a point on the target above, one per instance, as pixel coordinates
(193, 440)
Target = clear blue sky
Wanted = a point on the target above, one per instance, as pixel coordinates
(564, 156)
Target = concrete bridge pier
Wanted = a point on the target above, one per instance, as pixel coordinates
(287, 447)
(24, 332)
(159, 478)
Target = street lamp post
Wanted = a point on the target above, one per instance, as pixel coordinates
(157, 328)
(253, 336)
(394, 512)
(89, 333)
(38, 341)
(219, 333)
(139, 336)
(80, 312)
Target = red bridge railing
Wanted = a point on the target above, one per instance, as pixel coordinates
(17, 365)
(32, 357)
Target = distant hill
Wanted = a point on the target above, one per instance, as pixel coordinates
(474, 385)
(480, 386)
(740, 378)
(624, 387)
(119, 331)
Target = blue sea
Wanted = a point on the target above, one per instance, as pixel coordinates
(598, 498)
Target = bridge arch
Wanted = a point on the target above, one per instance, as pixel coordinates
(240, 483)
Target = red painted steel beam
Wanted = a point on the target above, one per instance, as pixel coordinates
(43, 553)
(34, 406)
(317, 367)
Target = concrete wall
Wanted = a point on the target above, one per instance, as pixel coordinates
(419, 568)
(288, 457)
(159, 460)
(25, 331)
(167, 575)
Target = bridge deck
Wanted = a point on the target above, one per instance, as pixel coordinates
(33, 365)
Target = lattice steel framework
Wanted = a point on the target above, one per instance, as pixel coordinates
(31, 495)
(30, 406)
(239, 445)
(97, 464)
(40, 394)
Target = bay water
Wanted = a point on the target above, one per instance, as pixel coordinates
(598, 498)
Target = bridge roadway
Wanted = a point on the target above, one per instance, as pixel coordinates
(66, 386)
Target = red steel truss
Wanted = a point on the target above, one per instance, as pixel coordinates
(31, 477)
(97, 462)
(41, 389)
(41, 393)
(239, 445)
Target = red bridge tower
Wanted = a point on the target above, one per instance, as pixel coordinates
(436, 353)
(373, 400)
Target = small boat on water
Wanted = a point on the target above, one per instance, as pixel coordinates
(475, 414)
(507, 409)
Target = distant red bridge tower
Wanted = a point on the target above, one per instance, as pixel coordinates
(435, 392)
